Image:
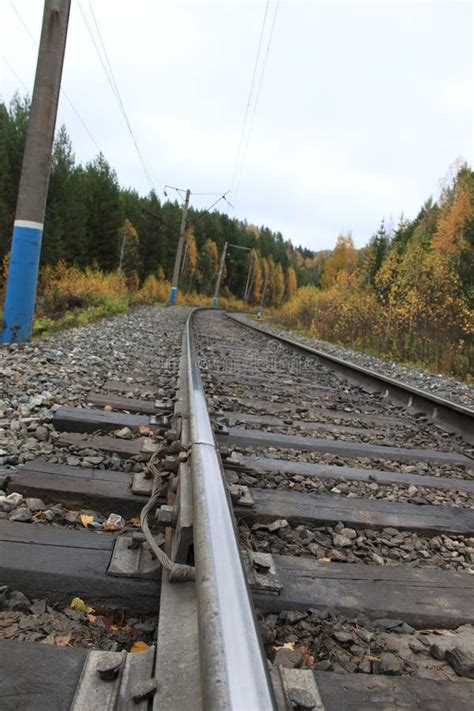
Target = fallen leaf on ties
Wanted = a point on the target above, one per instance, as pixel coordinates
(371, 658)
(324, 560)
(129, 630)
(308, 659)
(287, 645)
(92, 619)
(139, 647)
(442, 670)
(291, 484)
(143, 429)
(86, 520)
(108, 408)
(63, 640)
(115, 522)
(80, 605)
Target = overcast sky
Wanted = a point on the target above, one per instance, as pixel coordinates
(363, 106)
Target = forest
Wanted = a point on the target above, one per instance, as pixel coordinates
(91, 221)
(408, 294)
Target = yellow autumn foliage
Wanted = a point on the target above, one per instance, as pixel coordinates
(153, 291)
(62, 287)
(412, 322)
(291, 283)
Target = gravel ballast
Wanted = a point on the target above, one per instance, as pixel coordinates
(37, 378)
(324, 641)
(141, 349)
(78, 625)
(440, 385)
(343, 544)
(418, 495)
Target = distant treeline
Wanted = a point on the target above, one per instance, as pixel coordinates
(92, 221)
(408, 294)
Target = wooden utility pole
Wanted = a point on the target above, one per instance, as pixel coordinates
(219, 275)
(248, 284)
(177, 263)
(259, 315)
(33, 190)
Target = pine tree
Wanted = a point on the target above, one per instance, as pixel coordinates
(191, 260)
(104, 215)
(128, 248)
(5, 212)
(291, 283)
(208, 264)
(256, 279)
(342, 259)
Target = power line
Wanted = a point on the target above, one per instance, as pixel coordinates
(256, 101)
(23, 23)
(207, 193)
(252, 83)
(107, 67)
(18, 78)
(124, 112)
(84, 125)
(222, 196)
(203, 212)
(14, 73)
(63, 91)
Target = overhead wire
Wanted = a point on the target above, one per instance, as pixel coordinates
(18, 78)
(22, 22)
(62, 90)
(254, 111)
(203, 212)
(107, 67)
(206, 193)
(249, 99)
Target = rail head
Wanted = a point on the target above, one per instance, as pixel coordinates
(234, 670)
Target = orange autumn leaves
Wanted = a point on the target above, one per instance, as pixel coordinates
(113, 621)
(409, 294)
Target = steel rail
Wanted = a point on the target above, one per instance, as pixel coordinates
(449, 415)
(234, 671)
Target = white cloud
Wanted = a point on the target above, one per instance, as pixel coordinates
(363, 105)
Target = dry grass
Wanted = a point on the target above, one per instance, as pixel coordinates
(354, 317)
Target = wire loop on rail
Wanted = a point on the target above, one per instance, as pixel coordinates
(178, 572)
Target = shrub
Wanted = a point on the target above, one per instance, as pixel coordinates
(62, 288)
(153, 291)
(301, 310)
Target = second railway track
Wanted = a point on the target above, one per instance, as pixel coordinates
(320, 541)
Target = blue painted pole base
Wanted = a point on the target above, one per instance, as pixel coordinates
(19, 304)
(214, 302)
(173, 293)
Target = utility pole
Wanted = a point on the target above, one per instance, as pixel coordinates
(219, 276)
(221, 269)
(259, 315)
(177, 263)
(33, 190)
(248, 283)
(185, 256)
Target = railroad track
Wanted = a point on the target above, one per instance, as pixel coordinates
(319, 528)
